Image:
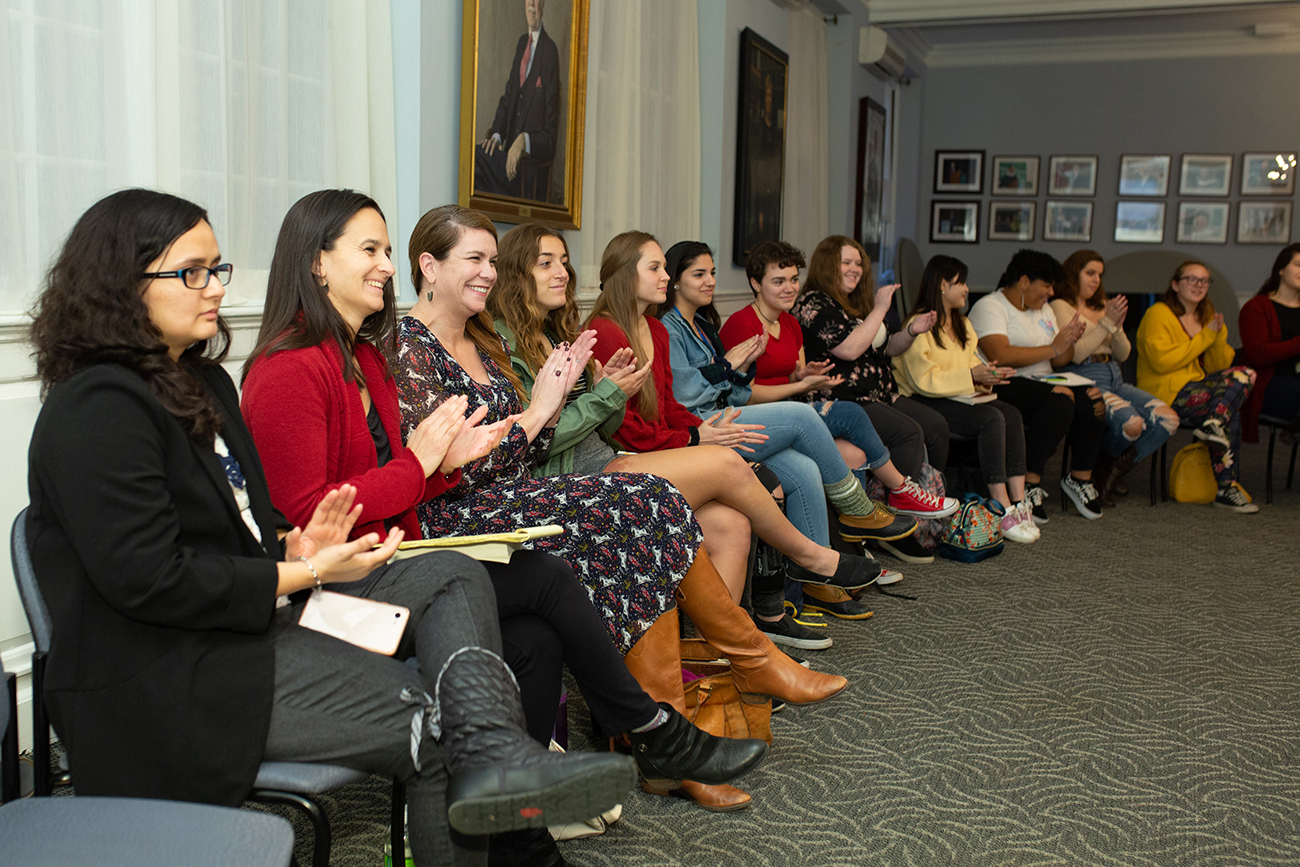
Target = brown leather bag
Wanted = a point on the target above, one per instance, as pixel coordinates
(712, 701)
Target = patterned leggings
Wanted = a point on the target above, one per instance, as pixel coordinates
(1218, 396)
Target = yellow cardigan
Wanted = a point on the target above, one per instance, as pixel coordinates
(1168, 359)
(933, 371)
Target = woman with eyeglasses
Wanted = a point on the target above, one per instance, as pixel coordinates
(1137, 424)
(1185, 360)
(1270, 342)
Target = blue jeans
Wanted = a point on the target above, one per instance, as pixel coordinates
(1125, 402)
(801, 450)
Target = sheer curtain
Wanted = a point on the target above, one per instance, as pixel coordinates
(241, 105)
(804, 219)
(642, 146)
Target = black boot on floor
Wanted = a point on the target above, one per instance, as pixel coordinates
(531, 847)
(501, 779)
(677, 751)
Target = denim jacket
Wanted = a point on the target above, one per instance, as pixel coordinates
(703, 380)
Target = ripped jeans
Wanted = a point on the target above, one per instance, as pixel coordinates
(1125, 402)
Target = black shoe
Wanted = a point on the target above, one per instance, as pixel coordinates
(846, 609)
(677, 751)
(531, 847)
(1037, 497)
(789, 632)
(852, 573)
(907, 549)
(500, 778)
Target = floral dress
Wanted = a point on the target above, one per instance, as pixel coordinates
(826, 325)
(630, 537)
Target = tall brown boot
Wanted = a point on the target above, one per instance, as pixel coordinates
(757, 665)
(656, 663)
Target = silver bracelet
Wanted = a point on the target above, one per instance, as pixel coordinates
(312, 569)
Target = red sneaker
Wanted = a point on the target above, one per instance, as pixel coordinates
(909, 499)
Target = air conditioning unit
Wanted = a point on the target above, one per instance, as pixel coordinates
(880, 54)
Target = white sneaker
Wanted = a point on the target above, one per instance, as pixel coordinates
(1014, 527)
(889, 576)
(1027, 511)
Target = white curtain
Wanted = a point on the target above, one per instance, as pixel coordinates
(241, 105)
(642, 146)
(804, 220)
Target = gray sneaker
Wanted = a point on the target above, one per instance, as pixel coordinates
(788, 632)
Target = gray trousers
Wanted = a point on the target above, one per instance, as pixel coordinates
(338, 704)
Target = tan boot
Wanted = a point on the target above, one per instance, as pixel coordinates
(757, 665)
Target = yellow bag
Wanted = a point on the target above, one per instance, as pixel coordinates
(1191, 478)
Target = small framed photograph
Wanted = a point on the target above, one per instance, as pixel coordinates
(959, 171)
(1271, 173)
(1206, 175)
(1012, 221)
(1140, 222)
(1202, 223)
(1263, 222)
(1072, 176)
(1015, 176)
(954, 222)
(1144, 175)
(1067, 221)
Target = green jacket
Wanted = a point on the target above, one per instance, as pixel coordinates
(600, 409)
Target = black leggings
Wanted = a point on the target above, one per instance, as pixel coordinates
(1049, 416)
(998, 431)
(547, 621)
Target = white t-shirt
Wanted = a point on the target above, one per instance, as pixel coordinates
(994, 314)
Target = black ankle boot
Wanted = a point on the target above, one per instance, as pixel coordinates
(532, 847)
(677, 751)
(501, 779)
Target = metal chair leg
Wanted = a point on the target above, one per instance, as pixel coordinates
(42, 782)
(1290, 473)
(319, 821)
(1164, 472)
(1268, 467)
(1154, 481)
(397, 828)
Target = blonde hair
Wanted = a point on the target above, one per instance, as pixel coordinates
(618, 304)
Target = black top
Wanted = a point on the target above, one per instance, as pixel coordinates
(1290, 319)
(383, 450)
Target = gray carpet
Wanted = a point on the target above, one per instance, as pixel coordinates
(1124, 692)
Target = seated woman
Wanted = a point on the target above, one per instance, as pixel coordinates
(1270, 343)
(942, 371)
(842, 316)
(1017, 328)
(1137, 424)
(782, 372)
(174, 670)
(634, 551)
(1185, 360)
(322, 405)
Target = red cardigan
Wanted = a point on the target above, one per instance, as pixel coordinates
(310, 429)
(638, 434)
(1262, 347)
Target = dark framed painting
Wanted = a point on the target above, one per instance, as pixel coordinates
(1269, 173)
(954, 222)
(1014, 176)
(1067, 221)
(1072, 176)
(959, 171)
(760, 144)
(1140, 222)
(873, 132)
(523, 97)
(1012, 221)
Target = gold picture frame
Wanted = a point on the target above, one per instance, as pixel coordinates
(532, 170)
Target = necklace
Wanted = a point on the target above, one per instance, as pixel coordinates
(759, 311)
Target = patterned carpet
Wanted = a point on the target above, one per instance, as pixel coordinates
(1124, 692)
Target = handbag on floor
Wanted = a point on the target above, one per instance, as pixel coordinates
(975, 531)
(1191, 478)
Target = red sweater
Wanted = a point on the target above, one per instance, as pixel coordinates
(1262, 347)
(670, 429)
(780, 358)
(310, 429)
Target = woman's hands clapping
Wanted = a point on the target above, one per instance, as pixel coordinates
(433, 436)
(324, 543)
(721, 429)
(990, 375)
(1116, 310)
(557, 376)
(1069, 334)
(813, 375)
(743, 354)
(621, 369)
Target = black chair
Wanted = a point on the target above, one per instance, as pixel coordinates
(1274, 424)
(293, 784)
(128, 832)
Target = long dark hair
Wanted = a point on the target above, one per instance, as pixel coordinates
(92, 309)
(1068, 290)
(930, 296)
(1289, 252)
(298, 311)
(681, 256)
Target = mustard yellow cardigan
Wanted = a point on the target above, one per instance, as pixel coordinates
(1168, 359)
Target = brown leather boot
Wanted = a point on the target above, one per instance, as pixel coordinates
(757, 665)
(655, 661)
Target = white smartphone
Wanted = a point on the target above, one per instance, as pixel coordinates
(376, 626)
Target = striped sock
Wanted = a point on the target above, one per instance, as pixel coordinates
(848, 496)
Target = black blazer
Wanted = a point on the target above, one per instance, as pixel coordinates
(160, 675)
(533, 108)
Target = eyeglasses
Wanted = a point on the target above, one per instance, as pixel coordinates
(197, 276)
(1207, 282)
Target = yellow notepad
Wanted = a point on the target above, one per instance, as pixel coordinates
(496, 547)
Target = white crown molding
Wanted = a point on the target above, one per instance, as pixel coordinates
(1010, 52)
(914, 41)
(922, 12)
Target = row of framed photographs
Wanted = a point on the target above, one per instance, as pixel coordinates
(1135, 222)
(1267, 173)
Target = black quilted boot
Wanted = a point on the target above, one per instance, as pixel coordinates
(501, 779)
